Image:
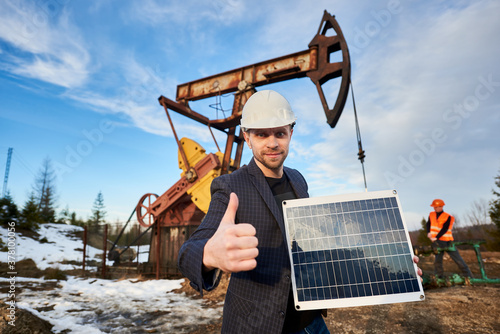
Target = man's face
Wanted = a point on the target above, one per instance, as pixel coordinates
(270, 148)
(438, 208)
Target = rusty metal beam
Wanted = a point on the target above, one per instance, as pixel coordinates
(287, 67)
(183, 110)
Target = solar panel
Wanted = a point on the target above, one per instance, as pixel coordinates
(350, 250)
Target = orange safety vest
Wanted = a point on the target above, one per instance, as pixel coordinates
(437, 225)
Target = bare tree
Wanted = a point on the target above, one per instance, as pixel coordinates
(478, 214)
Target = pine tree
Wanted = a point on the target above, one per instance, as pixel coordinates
(495, 214)
(98, 213)
(8, 210)
(495, 205)
(30, 216)
(45, 192)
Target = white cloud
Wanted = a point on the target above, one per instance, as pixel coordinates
(187, 13)
(145, 117)
(47, 46)
(144, 114)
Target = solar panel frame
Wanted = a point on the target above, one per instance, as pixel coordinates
(362, 256)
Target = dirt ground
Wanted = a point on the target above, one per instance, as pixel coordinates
(456, 309)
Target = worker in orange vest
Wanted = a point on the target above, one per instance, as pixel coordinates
(439, 226)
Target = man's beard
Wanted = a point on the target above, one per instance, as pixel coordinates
(274, 165)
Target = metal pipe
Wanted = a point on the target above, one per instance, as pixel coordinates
(84, 247)
(181, 149)
(456, 279)
(105, 243)
(213, 137)
(158, 241)
(121, 232)
(480, 260)
(136, 239)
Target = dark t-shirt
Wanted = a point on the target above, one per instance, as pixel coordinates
(295, 320)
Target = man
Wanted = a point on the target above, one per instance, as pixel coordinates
(439, 227)
(243, 232)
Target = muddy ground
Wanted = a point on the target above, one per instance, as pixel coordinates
(455, 309)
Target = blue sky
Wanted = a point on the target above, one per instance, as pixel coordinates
(79, 83)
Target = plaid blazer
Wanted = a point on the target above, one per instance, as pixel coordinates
(256, 300)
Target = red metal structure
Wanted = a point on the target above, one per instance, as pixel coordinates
(175, 214)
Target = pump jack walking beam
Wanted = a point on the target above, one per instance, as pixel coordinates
(314, 63)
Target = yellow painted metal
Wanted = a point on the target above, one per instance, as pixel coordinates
(194, 153)
(200, 191)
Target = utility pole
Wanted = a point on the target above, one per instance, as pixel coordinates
(7, 168)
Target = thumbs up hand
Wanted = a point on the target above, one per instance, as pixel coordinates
(233, 247)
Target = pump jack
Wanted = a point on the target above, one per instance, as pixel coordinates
(177, 212)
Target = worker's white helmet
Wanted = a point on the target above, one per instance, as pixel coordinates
(266, 109)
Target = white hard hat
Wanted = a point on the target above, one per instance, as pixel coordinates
(266, 109)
